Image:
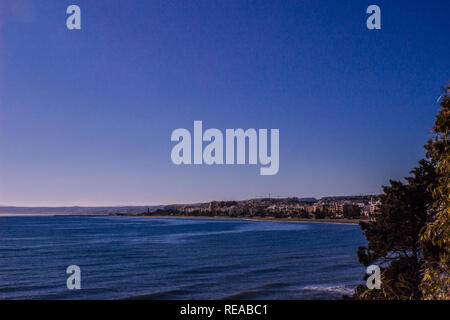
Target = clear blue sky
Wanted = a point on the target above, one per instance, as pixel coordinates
(86, 115)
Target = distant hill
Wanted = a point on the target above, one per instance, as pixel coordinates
(354, 198)
(76, 210)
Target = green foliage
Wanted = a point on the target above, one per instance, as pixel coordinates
(351, 211)
(436, 280)
(399, 282)
(393, 237)
(320, 214)
(410, 234)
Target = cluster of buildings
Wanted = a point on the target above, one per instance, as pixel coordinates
(329, 207)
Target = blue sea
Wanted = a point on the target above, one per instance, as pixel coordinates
(177, 258)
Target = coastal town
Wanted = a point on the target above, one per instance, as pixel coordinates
(351, 207)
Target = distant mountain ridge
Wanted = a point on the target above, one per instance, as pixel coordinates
(77, 210)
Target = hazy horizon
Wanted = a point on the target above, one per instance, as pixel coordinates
(176, 202)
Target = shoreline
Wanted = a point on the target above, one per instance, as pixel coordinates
(273, 219)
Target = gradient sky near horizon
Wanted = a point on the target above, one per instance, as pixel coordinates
(86, 115)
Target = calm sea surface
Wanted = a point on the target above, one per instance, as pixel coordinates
(177, 258)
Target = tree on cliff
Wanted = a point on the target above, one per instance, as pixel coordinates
(409, 237)
(436, 280)
(393, 237)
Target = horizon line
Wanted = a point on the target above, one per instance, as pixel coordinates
(177, 203)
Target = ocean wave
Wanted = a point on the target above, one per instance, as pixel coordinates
(264, 270)
(276, 285)
(165, 294)
(339, 289)
(209, 269)
(244, 295)
(248, 227)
